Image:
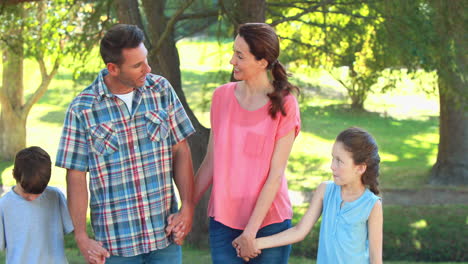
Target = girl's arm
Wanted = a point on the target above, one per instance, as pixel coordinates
(204, 176)
(375, 226)
(268, 193)
(300, 231)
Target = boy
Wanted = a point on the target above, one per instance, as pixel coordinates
(33, 217)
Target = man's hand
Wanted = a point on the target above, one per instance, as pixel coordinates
(180, 224)
(92, 251)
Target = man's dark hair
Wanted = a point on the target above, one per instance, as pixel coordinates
(117, 38)
(32, 169)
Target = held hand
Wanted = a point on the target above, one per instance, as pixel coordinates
(180, 224)
(245, 246)
(92, 251)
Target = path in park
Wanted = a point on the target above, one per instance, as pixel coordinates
(424, 196)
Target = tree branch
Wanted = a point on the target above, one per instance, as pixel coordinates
(170, 25)
(305, 12)
(46, 79)
(208, 13)
(228, 14)
(310, 46)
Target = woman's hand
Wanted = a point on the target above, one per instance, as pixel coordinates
(245, 246)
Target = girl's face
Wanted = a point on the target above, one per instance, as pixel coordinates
(246, 66)
(343, 168)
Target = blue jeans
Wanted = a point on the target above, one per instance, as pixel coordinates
(170, 255)
(222, 251)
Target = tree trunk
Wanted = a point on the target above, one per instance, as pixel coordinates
(12, 117)
(451, 167)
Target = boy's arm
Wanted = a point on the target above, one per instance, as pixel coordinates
(77, 195)
(375, 226)
(300, 231)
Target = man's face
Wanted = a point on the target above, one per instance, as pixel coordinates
(133, 70)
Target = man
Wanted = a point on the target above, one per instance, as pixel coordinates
(128, 129)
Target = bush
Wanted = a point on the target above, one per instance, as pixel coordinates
(417, 233)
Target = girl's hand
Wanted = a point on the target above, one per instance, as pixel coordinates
(245, 246)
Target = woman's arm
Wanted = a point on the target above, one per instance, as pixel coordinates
(268, 193)
(375, 226)
(300, 231)
(204, 176)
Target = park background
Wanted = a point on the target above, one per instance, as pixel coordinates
(395, 68)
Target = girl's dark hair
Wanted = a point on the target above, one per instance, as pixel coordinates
(364, 150)
(32, 169)
(117, 38)
(264, 44)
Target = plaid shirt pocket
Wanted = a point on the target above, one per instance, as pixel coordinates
(104, 139)
(157, 126)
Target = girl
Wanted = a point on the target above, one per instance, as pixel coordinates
(254, 123)
(351, 229)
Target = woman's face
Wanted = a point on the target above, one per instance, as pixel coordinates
(246, 66)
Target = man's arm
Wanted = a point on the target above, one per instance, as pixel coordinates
(183, 177)
(77, 195)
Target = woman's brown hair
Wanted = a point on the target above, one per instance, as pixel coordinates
(264, 44)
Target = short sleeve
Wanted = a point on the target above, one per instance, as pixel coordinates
(292, 120)
(180, 124)
(73, 148)
(64, 213)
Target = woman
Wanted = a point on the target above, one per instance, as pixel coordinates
(254, 123)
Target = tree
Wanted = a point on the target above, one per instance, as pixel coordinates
(333, 34)
(431, 34)
(41, 30)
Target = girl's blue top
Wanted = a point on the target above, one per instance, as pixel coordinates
(343, 232)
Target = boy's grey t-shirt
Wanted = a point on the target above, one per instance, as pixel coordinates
(33, 231)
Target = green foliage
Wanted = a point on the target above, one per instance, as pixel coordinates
(48, 29)
(337, 34)
(417, 233)
(428, 34)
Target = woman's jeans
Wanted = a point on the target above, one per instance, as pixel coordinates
(222, 251)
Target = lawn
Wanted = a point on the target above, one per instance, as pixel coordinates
(404, 122)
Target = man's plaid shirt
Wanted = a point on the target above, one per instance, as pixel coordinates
(128, 155)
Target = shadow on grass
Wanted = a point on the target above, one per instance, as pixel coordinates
(300, 164)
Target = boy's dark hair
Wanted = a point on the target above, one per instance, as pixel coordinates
(32, 169)
(364, 150)
(118, 37)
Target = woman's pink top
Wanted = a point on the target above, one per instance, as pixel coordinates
(244, 142)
